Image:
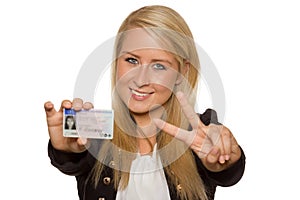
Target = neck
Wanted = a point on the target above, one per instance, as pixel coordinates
(147, 129)
(146, 145)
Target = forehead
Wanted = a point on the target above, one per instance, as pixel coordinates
(136, 39)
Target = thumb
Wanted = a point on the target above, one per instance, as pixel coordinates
(49, 108)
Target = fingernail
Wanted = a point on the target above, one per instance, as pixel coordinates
(76, 104)
(227, 157)
(222, 160)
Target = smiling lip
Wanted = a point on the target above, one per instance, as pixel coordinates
(139, 95)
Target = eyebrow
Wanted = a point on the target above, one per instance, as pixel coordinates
(153, 60)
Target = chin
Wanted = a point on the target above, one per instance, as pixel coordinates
(139, 111)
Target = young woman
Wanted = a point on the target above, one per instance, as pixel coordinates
(161, 148)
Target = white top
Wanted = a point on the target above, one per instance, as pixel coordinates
(147, 180)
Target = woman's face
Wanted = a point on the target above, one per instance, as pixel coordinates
(70, 122)
(145, 76)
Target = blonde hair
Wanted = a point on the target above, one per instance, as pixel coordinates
(168, 28)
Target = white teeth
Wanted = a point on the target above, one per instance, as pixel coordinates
(138, 94)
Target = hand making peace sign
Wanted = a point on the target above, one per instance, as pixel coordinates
(214, 144)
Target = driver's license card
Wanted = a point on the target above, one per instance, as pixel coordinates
(94, 123)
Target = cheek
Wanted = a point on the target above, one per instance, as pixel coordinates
(167, 81)
(122, 82)
(123, 72)
(119, 72)
(120, 69)
(163, 91)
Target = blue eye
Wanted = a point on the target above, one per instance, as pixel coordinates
(159, 66)
(131, 60)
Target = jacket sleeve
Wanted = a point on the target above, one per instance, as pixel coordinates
(73, 164)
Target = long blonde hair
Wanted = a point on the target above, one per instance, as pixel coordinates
(168, 28)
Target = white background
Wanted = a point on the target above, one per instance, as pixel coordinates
(254, 45)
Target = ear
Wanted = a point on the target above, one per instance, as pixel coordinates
(184, 70)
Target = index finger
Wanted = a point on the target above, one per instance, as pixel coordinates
(181, 134)
(188, 111)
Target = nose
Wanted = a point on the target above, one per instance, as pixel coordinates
(142, 77)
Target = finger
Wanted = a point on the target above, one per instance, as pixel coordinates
(65, 104)
(78, 145)
(206, 146)
(174, 131)
(213, 155)
(213, 133)
(77, 104)
(83, 142)
(188, 111)
(227, 142)
(203, 150)
(221, 137)
(49, 109)
(87, 106)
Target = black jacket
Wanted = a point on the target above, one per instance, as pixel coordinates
(80, 165)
